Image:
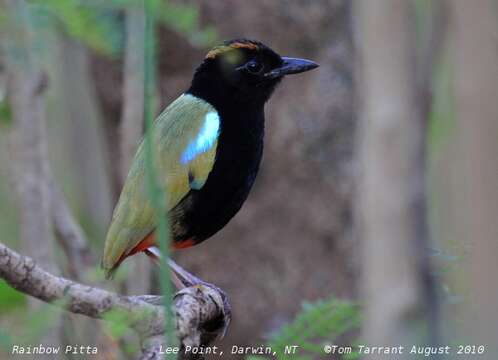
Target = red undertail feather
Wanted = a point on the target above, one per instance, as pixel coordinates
(150, 241)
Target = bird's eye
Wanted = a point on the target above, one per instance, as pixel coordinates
(254, 66)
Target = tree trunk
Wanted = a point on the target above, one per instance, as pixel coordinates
(80, 126)
(389, 188)
(475, 164)
(28, 157)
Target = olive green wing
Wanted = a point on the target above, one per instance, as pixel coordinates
(185, 140)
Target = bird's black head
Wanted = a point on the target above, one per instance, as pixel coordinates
(244, 72)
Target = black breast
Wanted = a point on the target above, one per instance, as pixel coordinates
(238, 155)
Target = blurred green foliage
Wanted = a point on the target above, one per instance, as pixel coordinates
(99, 24)
(442, 117)
(96, 26)
(185, 20)
(5, 114)
(423, 10)
(442, 111)
(18, 333)
(117, 323)
(10, 299)
(317, 325)
(9, 224)
(39, 320)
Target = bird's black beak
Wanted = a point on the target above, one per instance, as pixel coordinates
(291, 66)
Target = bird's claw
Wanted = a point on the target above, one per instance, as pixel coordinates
(183, 279)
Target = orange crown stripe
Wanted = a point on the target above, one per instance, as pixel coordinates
(224, 48)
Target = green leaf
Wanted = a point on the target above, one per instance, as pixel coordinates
(319, 322)
(96, 26)
(184, 19)
(156, 194)
(5, 114)
(10, 298)
(117, 323)
(39, 321)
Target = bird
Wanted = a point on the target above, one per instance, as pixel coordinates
(208, 145)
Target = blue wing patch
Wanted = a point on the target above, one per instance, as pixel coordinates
(205, 139)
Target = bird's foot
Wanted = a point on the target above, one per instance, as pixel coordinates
(182, 279)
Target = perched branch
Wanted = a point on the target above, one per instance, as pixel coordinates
(200, 317)
(23, 274)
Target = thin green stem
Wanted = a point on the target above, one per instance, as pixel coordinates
(156, 193)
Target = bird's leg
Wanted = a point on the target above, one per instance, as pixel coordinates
(185, 278)
(181, 278)
(179, 284)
